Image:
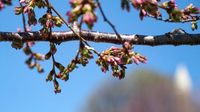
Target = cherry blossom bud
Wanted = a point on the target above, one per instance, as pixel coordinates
(71, 16)
(103, 69)
(30, 44)
(89, 18)
(77, 9)
(127, 45)
(137, 3)
(153, 1)
(75, 2)
(87, 7)
(28, 28)
(19, 30)
(22, 1)
(135, 60)
(1, 5)
(72, 1)
(173, 1)
(26, 9)
(49, 24)
(114, 48)
(118, 60)
(56, 86)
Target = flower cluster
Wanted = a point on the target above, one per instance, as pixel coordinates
(64, 71)
(85, 10)
(83, 59)
(33, 59)
(51, 77)
(48, 21)
(147, 7)
(28, 8)
(52, 74)
(152, 8)
(4, 2)
(85, 55)
(118, 58)
(177, 14)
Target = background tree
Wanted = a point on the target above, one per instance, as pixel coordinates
(143, 91)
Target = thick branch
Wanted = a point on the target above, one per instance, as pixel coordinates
(57, 37)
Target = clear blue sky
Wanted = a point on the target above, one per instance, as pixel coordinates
(25, 90)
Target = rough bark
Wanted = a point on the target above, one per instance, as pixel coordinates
(57, 37)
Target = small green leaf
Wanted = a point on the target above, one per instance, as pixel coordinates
(125, 5)
(27, 50)
(59, 66)
(17, 44)
(50, 75)
(39, 56)
(39, 68)
(194, 25)
(53, 48)
(31, 65)
(56, 86)
(18, 10)
(48, 55)
(65, 77)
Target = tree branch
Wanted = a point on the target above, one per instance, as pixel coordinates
(58, 37)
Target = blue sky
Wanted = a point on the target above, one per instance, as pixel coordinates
(25, 90)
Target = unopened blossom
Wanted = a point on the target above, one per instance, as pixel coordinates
(89, 18)
(49, 24)
(1, 5)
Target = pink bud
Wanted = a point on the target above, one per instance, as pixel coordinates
(69, 13)
(142, 14)
(153, 1)
(110, 59)
(103, 69)
(22, 1)
(28, 28)
(127, 45)
(118, 60)
(89, 18)
(139, 1)
(26, 9)
(49, 23)
(72, 1)
(75, 1)
(19, 30)
(173, 1)
(70, 16)
(136, 61)
(114, 48)
(1, 5)
(30, 44)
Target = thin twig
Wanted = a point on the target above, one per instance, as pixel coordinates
(107, 21)
(171, 21)
(77, 34)
(23, 19)
(168, 20)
